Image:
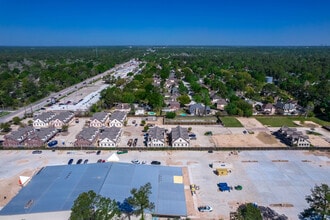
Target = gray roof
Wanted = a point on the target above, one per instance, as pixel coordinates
(55, 188)
(111, 133)
(64, 116)
(198, 107)
(44, 134)
(21, 133)
(157, 133)
(45, 116)
(100, 116)
(87, 133)
(119, 115)
(180, 132)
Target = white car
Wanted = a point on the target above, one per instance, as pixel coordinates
(136, 161)
(205, 209)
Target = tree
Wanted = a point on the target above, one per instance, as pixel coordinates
(170, 115)
(249, 211)
(83, 206)
(319, 203)
(89, 205)
(183, 99)
(16, 120)
(140, 200)
(65, 128)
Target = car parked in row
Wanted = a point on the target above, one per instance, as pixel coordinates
(79, 161)
(37, 152)
(155, 162)
(70, 161)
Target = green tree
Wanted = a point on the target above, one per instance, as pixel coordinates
(83, 206)
(89, 206)
(5, 127)
(65, 128)
(249, 211)
(319, 203)
(16, 120)
(140, 200)
(170, 115)
(183, 99)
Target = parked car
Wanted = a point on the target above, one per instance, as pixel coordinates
(122, 152)
(85, 161)
(99, 160)
(70, 162)
(135, 161)
(37, 152)
(79, 161)
(155, 162)
(205, 209)
(52, 143)
(98, 152)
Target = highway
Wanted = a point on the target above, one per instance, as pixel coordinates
(43, 102)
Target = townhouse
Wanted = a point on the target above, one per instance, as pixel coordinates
(156, 137)
(109, 137)
(180, 137)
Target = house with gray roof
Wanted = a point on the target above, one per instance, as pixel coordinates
(293, 137)
(199, 109)
(86, 137)
(221, 104)
(109, 137)
(179, 137)
(40, 137)
(17, 138)
(156, 137)
(99, 119)
(43, 120)
(286, 108)
(117, 119)
(61, 119)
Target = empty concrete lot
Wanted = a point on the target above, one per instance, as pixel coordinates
(279, 179)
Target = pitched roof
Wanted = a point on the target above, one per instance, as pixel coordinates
(111, 133)
(20, 134)
(180, 132)
(64, 116)
(45, 116)
(199, 107)
(87, 133)
(157, 133)
(43, 134)
(100, 116)
(119, 115)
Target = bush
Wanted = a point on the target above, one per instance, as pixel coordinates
(170, 115)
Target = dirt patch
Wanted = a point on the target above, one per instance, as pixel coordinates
(266, 138)
(258, 139)
(126, 133)
(10, 187)
(318, 141)
(250, 123)
(308, 124)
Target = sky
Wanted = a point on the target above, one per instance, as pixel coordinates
(164, 22)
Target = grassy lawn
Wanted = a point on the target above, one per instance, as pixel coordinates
(278, 121)
(4, 113)
(230, 122)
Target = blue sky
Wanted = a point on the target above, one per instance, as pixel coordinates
(164, 22)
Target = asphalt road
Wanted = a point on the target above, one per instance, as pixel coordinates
(41, 103)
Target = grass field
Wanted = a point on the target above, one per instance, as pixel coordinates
(278, 121)
(4, 113)
(231, 122)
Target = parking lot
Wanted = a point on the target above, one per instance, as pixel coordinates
(279, 179)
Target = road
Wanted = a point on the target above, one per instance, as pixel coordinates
(41, 103)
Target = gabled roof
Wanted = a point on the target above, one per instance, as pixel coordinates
(180, 132)
(111, 133)
(199, 106)
(43, 134)
(118, 115)
(20, 134)
(87, 133)
(64, 116)
(157, 133)
(45, 116)
(100, 116)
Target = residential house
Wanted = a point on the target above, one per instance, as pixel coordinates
(61, 119)
(293, 137)
(286, 108)
(199, 109)
(17, 138)
(109, 137)
(174, 105)
(123, 107)
(86, 137)
(179, 137)
(156, 82)
(43, 120)
(40, 137)
(117, 119)
(139, 111)
(99, 119)
(156, 137)
(221, 104)
(268, 108)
